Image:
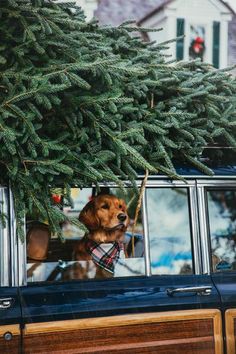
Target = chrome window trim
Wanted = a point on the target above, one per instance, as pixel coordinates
(170, 183)
(146, 236)
(160, 181)
(203, 229)
(194, 222)
(18, 250)
(217, 183)
(14, 243)
(204, 178)
(22, 273)
(4, 240)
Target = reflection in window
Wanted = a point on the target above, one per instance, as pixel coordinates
(222, 223)
(169, 231)
(49, 259)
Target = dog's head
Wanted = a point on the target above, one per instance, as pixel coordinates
(106, 217)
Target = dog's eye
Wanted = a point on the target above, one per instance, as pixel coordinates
(120, 206)
(105, 206)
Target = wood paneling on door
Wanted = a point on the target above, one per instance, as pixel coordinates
(230, 328)
(12, 345)
(188, 332)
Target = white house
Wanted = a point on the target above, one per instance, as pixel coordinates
(203, 22)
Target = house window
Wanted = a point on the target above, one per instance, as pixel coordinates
(197, 34)
(197, 41)
(164, 248)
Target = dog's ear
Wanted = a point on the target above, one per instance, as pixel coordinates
(88, 216)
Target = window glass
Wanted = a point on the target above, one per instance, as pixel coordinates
(222, 225)
(93, 256)
(169, 231)
(197, 41)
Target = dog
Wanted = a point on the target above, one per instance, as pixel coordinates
(106, 219)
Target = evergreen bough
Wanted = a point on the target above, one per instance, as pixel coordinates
(82, 104)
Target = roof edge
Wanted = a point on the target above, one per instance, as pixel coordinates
(160, 7)
(228, 6)
(153, 12)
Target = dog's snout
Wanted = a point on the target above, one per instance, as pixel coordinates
(121, 217)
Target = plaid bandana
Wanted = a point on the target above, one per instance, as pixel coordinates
(106, 260)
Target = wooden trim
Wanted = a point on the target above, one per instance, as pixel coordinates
(124, 320)
(14, 329)
(145, 345)
(218, 334)
(230, 316)
(134, 319)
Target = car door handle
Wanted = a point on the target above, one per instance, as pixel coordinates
(6, 303)
(200, 290)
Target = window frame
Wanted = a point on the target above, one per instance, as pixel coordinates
(12, 249)
(198, 224)
(220, 186)
(5, 241)
(202, 186)
(193, 218)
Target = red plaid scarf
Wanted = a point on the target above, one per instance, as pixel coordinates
(106, 260)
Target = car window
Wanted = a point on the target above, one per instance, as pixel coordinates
(222, 228)
(169, 231)
(50, 259)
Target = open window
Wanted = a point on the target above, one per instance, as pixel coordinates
(52, 259)
(160, 244)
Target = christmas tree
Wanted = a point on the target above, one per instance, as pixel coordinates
(82, 104)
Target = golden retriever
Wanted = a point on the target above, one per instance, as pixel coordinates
(106, 218)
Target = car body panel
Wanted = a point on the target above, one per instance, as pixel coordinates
(54, 316)
(10, 321)
(86, 299)
(226, 285)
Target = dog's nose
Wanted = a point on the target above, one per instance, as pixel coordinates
(121, 217)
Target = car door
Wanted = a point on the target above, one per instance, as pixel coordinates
(159, 301)
(220, 209)
(10, 311)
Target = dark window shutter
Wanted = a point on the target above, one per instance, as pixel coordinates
(180, 43)
(216, 44)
